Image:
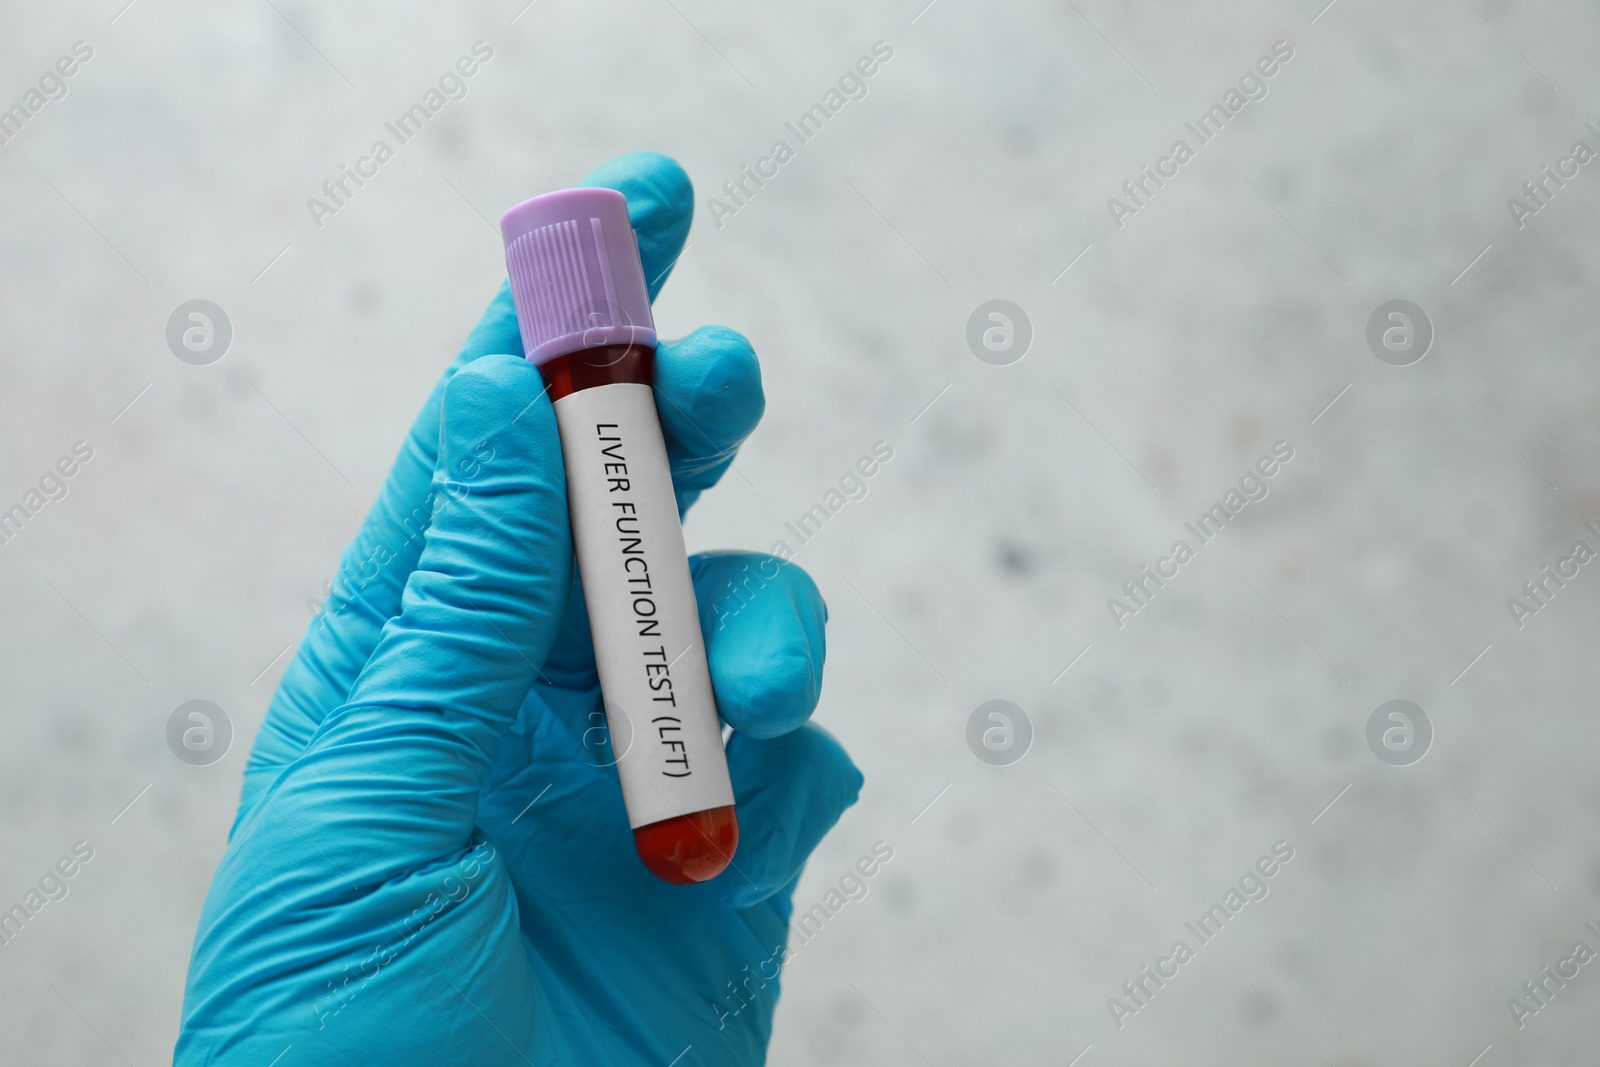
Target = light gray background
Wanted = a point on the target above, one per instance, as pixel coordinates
(1173, 353)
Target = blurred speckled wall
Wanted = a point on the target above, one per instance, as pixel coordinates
(1176, 334)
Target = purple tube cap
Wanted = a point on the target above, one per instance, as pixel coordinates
(575, 273)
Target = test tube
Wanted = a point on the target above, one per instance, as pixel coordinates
(584, 312)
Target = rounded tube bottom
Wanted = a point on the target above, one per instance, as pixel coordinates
(686, 849)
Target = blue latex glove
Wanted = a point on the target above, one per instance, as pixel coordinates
(431, 864)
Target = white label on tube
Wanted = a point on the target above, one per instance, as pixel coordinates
(660, 711)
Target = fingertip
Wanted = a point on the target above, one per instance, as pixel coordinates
(829, 767)
(711, 399)
(660, 205)
(496, 331)
(714, 365)
(839, 779)
(764, 622)
(492, 390)
(775, 699)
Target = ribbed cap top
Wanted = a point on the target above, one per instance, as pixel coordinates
(575, 273)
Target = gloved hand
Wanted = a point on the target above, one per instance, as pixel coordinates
(431, 863)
